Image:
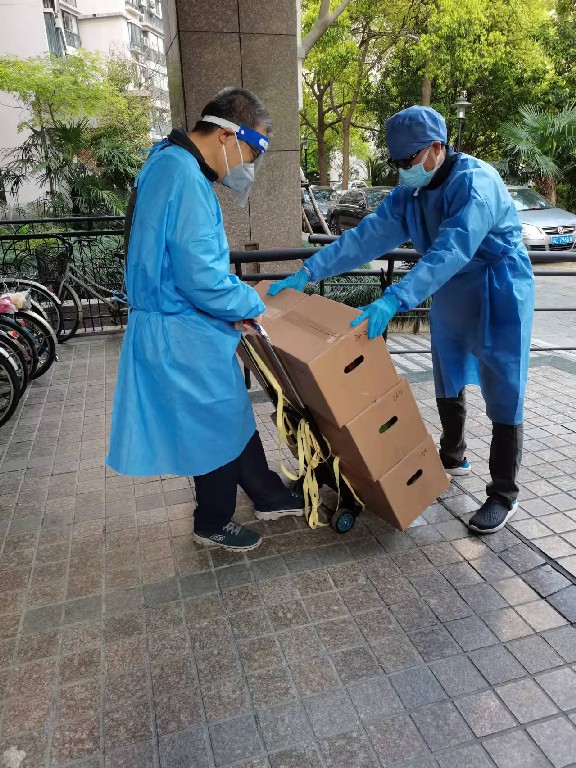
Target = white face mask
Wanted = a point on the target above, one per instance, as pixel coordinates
(240, 179)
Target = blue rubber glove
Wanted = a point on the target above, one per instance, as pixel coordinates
(298, 281)
(378, 314)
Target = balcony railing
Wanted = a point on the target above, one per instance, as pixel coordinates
(73, 3)
(154, 21)
(134, 3)
(72, 39)
(157, 57)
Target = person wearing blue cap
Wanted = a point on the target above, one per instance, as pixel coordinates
(460, 217)
(181, 405)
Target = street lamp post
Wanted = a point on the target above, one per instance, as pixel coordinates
(461, 105)
(305, 148)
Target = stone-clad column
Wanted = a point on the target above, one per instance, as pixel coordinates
(211, 44)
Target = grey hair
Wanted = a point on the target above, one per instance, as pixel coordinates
(239, 106)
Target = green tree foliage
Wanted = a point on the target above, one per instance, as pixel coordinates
(85, 124)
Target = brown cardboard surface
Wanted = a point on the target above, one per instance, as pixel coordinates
(368, 451)
(337, 370)
(276, 307)
(403, 493)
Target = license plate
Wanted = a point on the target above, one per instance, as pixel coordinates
(562, 239)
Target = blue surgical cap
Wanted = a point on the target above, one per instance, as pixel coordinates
(412, 129)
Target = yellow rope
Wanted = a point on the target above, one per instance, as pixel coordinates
(309, 452)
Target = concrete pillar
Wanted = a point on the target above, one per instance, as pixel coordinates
(249, 43)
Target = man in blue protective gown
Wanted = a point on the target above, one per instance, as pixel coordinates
(181, 405)
(458, 214)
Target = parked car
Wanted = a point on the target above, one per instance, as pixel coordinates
(325, 196)
(311, 214)
(353, 206)
(544, 227)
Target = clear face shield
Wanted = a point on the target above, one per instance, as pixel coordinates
(241, 178)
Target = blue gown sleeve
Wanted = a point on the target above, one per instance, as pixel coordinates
(199, 263)
(470, 218)
(377, 234)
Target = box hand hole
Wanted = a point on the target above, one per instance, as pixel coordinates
(390, 423)
(354, 364)
(415, 477)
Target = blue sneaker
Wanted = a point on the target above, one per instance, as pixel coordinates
(492, 516)
(461, 470)
(294, 506)
(232, 536)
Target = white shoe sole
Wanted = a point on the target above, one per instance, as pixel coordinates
(210, 543)
(458, 471)
(498, 527)
(278, 515)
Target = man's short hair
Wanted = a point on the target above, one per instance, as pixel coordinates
(239, 106)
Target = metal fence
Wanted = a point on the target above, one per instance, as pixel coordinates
(36, 247)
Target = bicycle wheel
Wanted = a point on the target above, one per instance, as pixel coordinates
(9, 387)
(46, 342)
(71, 311)
(43, 296)
(18, 356)
(22, 335)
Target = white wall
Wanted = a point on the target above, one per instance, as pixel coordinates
(108, 34)
(22, 33)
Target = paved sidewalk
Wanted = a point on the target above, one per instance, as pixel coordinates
(125, 645)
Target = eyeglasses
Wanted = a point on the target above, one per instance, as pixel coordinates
(254, 152)
(406, 163)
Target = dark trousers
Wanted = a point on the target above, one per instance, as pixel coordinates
(216, 491)
(505, 448)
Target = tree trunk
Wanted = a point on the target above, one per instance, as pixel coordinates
(426, 88)
(548, 189)
(345, 154)
(322, 159)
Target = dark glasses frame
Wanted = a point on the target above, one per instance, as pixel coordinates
(406, 162)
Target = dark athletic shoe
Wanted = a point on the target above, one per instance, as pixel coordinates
(232, 536)
(491, 517)
(461, 470)
(294, 506)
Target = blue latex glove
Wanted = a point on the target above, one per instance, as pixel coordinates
(297, 281)
(378, 314)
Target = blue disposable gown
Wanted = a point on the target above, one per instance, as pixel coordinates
(181, 405)
(474, 262)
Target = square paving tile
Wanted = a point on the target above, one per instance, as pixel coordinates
(557, 739)
(465, 757)
(331, 713)
(234, 740)
(546, 580)
(565, 603)
(515, 750)
(294, 758)
(507, 624)
(442, 726)
(285, 725)
(497, 664)
(375, 700)
(535, 654)
(540, 615)
(434, 643)
(349, 749)
(560, 685)
(355, 664)
(563, 640)
(484, 713)
(396, 739)
(458, 676)
(395, 653)
(526, 701)
(185, 748)
(417, 687)
(471, 633)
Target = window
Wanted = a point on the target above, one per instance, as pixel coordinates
(70, 22)
(134, 35)
(52, 36)
(3, 200)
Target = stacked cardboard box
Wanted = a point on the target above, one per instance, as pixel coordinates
(365, 411)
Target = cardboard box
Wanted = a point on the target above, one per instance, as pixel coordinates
(403, 493)
(381, 436)
(276, 307)
(336, 369)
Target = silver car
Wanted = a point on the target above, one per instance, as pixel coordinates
(544, 227)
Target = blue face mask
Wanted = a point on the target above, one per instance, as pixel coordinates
(416, 176)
